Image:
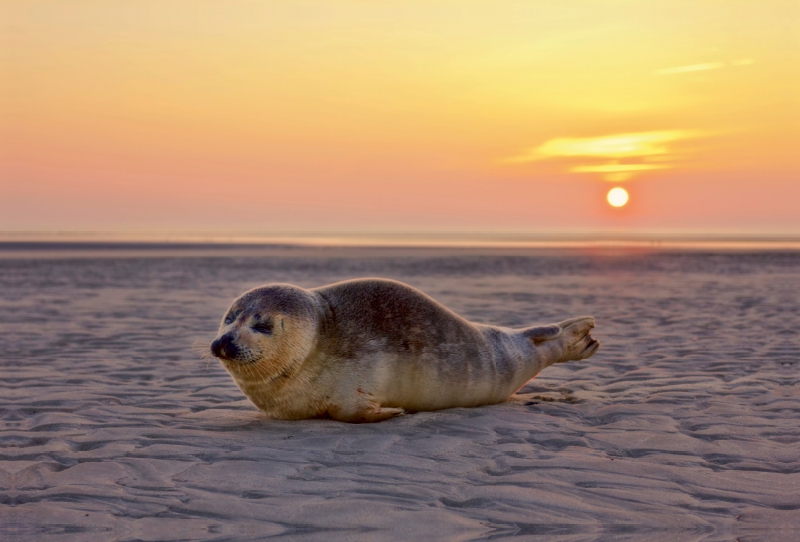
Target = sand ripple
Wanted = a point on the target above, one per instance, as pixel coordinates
(684, 426)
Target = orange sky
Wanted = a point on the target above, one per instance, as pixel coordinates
(286, 116)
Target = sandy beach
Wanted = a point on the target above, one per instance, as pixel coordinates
(684, 426)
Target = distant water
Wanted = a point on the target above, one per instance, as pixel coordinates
(660, 239)
(683, 427)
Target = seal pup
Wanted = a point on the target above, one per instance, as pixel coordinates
(365, 350)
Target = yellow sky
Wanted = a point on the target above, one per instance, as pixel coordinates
(405, 115)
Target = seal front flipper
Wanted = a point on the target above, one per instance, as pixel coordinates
(372, 413)
(360, 407)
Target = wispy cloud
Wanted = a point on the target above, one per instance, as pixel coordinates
(703, 67)
(691, 68)
(629, 145)
(652, 146)
(618, 168)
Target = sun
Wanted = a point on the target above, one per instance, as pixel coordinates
(617, 197)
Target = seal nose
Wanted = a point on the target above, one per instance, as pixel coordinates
(224, 347)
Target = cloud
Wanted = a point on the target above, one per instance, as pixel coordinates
(703, 67)
(629, 145)
(690, 68)
(656, 146)
(614, 168)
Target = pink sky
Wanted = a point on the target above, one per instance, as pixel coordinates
(300, 116)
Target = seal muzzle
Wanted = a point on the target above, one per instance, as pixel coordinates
(225, 348)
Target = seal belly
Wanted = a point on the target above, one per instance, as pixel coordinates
(480, 371)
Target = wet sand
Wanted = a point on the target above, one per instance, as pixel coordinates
(684, 426)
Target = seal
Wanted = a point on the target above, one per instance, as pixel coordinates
(366, 350)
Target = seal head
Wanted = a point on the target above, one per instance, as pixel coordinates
(267, 332)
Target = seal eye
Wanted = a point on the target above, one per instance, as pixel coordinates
(262, 327)
(231, 317)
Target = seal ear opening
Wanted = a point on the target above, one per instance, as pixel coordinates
(541, 334)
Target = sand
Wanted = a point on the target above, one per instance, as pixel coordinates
(683, 427)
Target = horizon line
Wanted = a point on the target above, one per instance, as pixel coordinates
(33, 240)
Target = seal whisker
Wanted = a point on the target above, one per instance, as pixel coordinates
(202, 348)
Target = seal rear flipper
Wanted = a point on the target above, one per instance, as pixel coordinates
(576, 338)
(540, 334)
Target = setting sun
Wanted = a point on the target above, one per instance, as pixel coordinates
(617, 197)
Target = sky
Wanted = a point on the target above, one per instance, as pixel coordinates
(375, 116)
